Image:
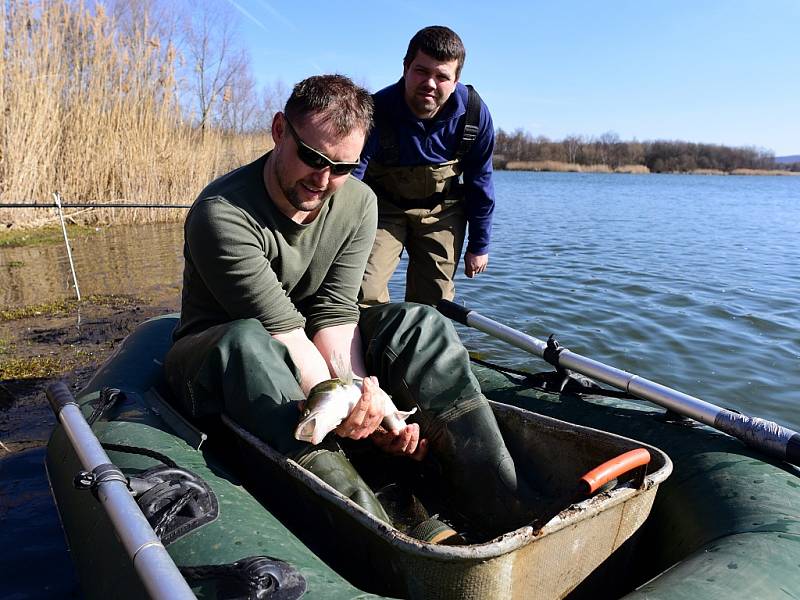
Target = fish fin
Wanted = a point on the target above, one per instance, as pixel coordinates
(342, 367)
(404, 414)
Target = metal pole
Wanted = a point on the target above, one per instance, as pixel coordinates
(761, 434)
(152, 562)
(57, 199)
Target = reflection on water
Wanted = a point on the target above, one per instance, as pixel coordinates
(141, 260)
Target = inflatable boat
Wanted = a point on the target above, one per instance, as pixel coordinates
(213, 512)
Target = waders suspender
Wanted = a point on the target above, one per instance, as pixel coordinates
(390, 152)
(469, 125)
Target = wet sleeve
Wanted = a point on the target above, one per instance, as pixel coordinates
(478, 187)
(229, 253)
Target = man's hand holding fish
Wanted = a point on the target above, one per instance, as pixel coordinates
(368, 412)
(405, 443)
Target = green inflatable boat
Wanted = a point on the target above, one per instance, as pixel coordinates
(153, 506)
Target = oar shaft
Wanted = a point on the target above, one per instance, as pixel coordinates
(764, 435)
(633, 384)
(158, 573)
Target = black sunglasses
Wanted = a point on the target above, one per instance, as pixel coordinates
(316, 159)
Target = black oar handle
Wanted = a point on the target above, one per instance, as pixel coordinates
(58, 396)
(453, 311)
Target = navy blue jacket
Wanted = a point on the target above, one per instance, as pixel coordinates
(434, 141)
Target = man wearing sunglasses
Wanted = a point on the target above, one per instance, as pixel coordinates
(429, 160)
(274, 256)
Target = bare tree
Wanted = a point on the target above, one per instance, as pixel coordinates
(572, 145)
(215, 59)
(273, 99)
(606, 145)
(240, 106)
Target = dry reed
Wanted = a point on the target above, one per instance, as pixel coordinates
(632, 169)
(763, 172)
(563, 167)
(90, 109)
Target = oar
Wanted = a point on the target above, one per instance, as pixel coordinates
(766, 436)
(151, 561)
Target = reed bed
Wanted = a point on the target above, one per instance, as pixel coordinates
(563, 167)
(91, 109)
(764, 172)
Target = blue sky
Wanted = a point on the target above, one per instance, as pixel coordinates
(725, 72)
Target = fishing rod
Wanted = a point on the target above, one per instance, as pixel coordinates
(92, 205)
(761, 434)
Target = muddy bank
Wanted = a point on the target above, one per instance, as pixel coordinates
(62, 341)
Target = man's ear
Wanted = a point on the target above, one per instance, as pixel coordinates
(278, 128)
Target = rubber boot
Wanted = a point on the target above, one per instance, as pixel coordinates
(335, 470)
(477, 470)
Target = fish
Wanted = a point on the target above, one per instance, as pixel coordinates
(329, 402)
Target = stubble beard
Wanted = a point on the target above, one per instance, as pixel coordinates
(426, 105)
(291, 191)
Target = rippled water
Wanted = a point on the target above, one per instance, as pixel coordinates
(691, 281)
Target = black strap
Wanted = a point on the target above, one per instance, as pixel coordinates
(389, 151)
(253, 578)
(108, 396)
(470, 123)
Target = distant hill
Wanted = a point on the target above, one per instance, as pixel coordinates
(788, 159)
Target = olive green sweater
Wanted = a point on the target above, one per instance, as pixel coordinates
(246, 259)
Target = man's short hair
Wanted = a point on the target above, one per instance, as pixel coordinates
(336, 98)
(439, 42)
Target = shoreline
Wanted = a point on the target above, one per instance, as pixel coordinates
(551, 166)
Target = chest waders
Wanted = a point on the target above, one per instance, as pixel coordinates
(419, 359)
(420, 210)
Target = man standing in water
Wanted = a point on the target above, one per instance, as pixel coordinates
(275, 252)
(430, 132)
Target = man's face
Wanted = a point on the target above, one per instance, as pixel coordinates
(306, 188)
(429, 83)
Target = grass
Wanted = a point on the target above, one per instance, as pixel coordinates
(762, 172)
(47, 235)
(90, 108)
(30, 368)
(64, 306)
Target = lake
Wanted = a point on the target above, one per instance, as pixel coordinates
(692, 281)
